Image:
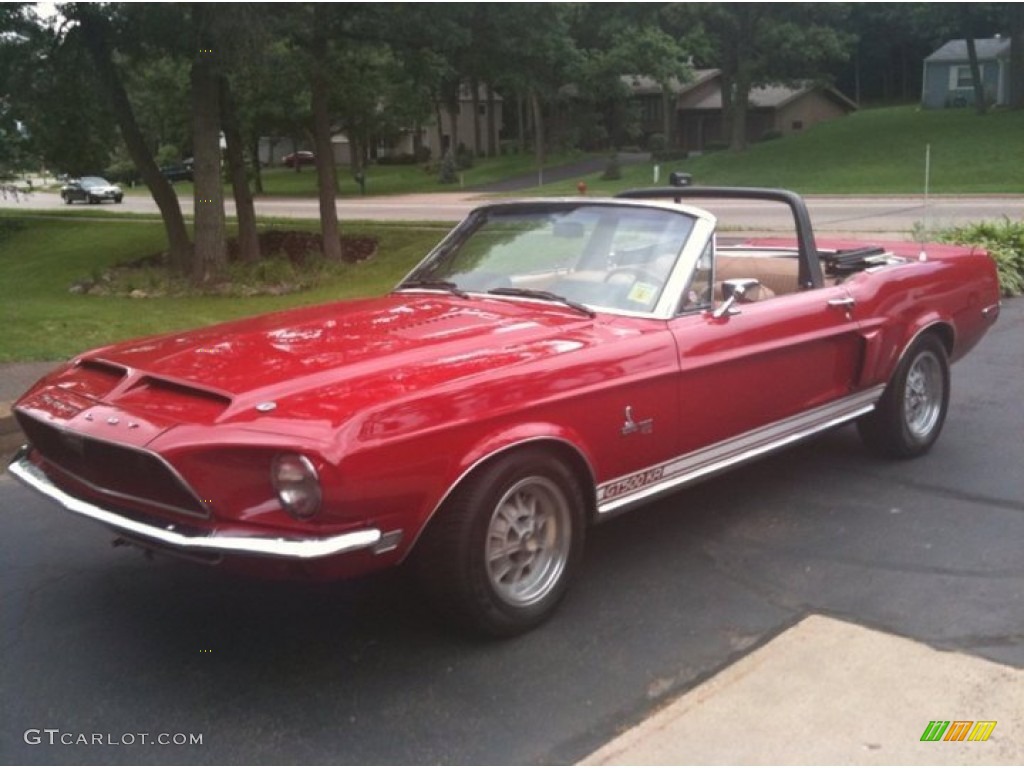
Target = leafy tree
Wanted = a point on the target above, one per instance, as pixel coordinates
(760, 43)
(539, 58)
(636, 39)
(47, 87)
(98, 28)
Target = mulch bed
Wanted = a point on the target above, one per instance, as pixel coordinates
(297, 245)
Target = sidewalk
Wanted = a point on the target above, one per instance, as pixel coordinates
(831, 693)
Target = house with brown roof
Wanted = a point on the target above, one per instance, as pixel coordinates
(778, 110)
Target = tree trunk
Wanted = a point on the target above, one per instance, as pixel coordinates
(980, 105)
(257, 172)
(538, 124)
(441, 148)
(521, 120)
(94, 30)
(667, 104)
(210, 257)
(492, 126)
(1016, 73)
(453, 116)
(325, 171)
(728, 107)
(741, 94)
(248, 239)
(478, 142)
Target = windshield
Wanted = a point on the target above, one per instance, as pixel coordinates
(94, 181)
(612, 257)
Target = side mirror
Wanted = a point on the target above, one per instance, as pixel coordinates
(732, 292)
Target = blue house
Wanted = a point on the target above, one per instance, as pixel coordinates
(947, 74)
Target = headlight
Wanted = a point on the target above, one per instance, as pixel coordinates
(298, 487)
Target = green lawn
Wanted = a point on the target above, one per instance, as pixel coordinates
(44, 255)
(874, 151)
(391, 179)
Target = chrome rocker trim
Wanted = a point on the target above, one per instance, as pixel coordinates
(265, 546)
(645, 484)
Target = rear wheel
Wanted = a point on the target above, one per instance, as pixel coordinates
(909, 417)
(500, 554)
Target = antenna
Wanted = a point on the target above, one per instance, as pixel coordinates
(922, 256)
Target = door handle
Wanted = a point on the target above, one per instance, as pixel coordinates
(847, 303)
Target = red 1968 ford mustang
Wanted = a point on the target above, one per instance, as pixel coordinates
(549, 364)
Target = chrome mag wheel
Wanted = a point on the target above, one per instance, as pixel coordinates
(528, 541)
(923, 395)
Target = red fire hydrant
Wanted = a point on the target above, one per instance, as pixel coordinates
(581, 187)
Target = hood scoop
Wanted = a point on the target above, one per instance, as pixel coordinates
(176, 400)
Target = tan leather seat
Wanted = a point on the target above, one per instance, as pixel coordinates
(779, 275)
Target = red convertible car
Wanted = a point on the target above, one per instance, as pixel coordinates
(548, 365)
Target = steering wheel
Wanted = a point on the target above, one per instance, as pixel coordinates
(637, 272)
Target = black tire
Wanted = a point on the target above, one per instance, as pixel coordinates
(117, 199)
(909, 417)
(501, 552)
(67, 199)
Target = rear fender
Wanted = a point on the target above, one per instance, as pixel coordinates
(881, 358)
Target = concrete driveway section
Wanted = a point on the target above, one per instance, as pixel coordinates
(827, 692)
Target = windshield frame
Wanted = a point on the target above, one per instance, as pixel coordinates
(702, 227)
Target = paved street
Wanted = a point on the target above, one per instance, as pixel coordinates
(892, 216)
(101, 641)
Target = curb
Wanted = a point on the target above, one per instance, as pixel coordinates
(11, 437)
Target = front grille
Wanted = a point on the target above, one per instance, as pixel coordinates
(117, 471)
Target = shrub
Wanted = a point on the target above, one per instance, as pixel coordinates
(771, 135)
(612, 171)
(167, 154)
(464, 158)
(1005, 243)
(121, 172)
(656, 142)
(448, 174)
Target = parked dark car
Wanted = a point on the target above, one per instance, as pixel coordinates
(90, 189)
(179, 172)
(302, 157)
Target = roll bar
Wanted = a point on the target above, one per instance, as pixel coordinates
(810, 274)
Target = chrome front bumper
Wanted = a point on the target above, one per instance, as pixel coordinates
(265, 546)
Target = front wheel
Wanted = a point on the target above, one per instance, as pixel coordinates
(909, 417)
(500, 554)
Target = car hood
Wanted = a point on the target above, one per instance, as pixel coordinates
(321, 364)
